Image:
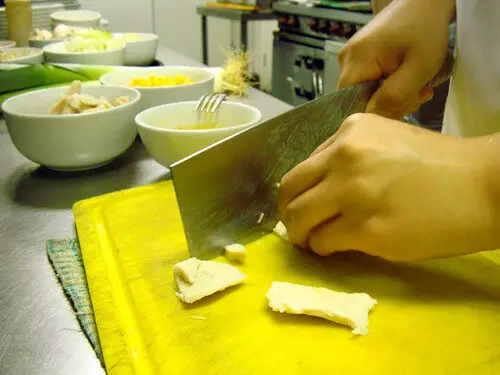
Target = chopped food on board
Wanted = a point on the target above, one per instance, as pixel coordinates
(280, 231)
(197, 279)
(235, 252)
(350, 309)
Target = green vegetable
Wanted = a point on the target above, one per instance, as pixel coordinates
(92, 45)
(21, 78)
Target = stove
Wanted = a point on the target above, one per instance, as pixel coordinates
(306, 47)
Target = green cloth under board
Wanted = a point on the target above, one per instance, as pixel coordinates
(66, 260)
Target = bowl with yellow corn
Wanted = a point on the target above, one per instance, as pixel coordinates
(163, 85)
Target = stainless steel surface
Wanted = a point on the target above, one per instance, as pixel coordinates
(323, 13)
(210, 102)
(239, 174)
(39, 333)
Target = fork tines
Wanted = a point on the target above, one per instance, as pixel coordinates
(210, 103)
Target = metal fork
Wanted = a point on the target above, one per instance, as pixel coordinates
(210, 103)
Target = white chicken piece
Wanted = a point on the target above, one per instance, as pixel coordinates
(75, 88)
(197, 279)
(73, 101)
(235, 252)
(121, 100)
(350, 309)
(280, 231)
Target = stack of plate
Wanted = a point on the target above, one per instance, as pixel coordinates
(40, 14)
(68, 4)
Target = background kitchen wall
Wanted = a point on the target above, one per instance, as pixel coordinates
(179, 28)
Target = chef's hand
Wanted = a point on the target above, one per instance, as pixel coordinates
(391, 190)
(406, 44)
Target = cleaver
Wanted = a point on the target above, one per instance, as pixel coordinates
(227, 193)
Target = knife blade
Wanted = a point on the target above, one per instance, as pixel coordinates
(227, 193)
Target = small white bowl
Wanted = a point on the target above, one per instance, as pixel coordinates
(141, 50)
(57, 53)
(35, 56)
(7, 44)
(82, 18)
(37, 43)
(166, 143)
(203, 83)
(71, 142)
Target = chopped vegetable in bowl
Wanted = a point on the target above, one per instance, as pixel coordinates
(82, 45)
(65, 32)
(158, 81)
(9, 54)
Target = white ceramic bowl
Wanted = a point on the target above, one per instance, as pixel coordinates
(35, 56)
(57, 53)
(36, 43)
(203, 83)
(83, 18)
(7, 44)
(71, 142)
(166, 143)
(141, 50)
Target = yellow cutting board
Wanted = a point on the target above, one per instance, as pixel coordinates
(437, 317)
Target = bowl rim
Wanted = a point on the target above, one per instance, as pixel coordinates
(57, 15)
(47, 49)
(57, 40)
(210, 76)
(71, 115)
(141, 124)
(8, 43)
(37, 52)
(152, 36)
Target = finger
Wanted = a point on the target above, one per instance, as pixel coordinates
(426, 94)
(310, 209)
(333, 236)
(303, 177)
(361, 71)
(397, 90)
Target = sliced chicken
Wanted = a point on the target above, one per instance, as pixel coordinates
(350, 309)
(235, 252)
(197, 279)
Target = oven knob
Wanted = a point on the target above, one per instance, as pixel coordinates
(349, 30)
(309, 62)
(335, 29)
(313, 25)
(293, 21)
(323, 26)
(319, 64)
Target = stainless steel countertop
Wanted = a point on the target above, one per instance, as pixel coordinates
(39, 332)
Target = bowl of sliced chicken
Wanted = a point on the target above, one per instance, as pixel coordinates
(73, 128)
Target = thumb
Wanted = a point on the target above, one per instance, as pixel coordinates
(352, 74)
(357, 64)
(399, 89)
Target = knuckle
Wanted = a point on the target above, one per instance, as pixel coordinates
(363, 190)
(348, 150)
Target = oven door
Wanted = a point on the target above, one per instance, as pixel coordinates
(298, 68)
